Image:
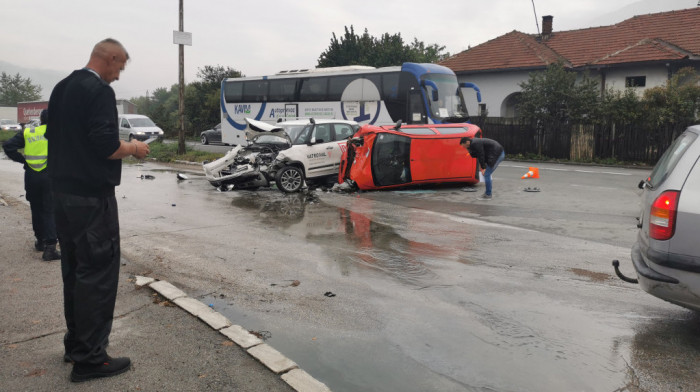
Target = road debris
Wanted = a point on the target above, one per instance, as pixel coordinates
(264, 335)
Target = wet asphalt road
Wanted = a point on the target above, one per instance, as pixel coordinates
(423, 289)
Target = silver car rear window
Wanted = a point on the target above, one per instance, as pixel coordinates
(671, 157)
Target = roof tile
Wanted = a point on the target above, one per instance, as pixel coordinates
(653, 37)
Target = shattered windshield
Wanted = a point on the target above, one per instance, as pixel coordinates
(450, 103)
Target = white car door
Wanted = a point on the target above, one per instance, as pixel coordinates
(323, 156)
(124, 128)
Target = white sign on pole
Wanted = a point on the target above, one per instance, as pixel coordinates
(182, 38)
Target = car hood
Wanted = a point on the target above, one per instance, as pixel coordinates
(256, 128)
(260, 126)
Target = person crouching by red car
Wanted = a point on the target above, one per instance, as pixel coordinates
(489, 153)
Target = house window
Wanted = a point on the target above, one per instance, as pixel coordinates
(635, 81)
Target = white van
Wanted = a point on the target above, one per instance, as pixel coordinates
(137, 126)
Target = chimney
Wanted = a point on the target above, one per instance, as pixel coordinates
(547, 26)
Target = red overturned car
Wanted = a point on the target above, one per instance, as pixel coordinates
(393, 156)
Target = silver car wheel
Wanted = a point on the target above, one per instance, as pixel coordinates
(290, 179)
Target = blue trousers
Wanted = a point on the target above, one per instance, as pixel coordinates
(489, 170)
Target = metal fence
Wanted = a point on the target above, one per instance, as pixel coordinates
(621, 142)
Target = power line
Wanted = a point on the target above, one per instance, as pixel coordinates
(538, 24)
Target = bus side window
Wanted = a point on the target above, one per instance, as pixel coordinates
(233, 91)
(313, 89)
(282, 90)
(255, 91)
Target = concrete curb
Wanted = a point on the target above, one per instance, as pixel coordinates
(288, 370)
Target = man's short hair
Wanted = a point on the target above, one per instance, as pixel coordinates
(465, 139)
(110, 41)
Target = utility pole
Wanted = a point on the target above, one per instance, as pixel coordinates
(181, 38)
(181, 138)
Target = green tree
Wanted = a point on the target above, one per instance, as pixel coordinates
(213, 75)
(676, 103)
(387, 50)
(554, 97)
(15, 89)
(202, 100)
(623, 107)
(202, 97)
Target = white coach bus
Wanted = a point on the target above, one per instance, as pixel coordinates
(413, 93)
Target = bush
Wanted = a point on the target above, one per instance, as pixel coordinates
(6, 135)
(167, 152)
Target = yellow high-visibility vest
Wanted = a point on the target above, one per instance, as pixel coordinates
(36, 147)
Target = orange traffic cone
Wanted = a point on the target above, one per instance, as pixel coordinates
(533, 172)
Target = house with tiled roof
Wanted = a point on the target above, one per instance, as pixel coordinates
(639, 53)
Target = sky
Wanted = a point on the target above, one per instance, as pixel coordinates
(46, 39)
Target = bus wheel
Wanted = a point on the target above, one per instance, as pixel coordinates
(290, 179)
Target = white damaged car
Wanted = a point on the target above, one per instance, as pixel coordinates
(245, 167)
(291, 154)
(314, 157)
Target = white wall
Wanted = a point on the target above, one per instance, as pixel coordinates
(8, 112)
(655, 75)
(495, 87)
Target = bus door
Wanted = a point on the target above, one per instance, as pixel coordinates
(416, 108)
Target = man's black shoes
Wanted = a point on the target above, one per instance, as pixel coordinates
(50, 253)
(111, 367)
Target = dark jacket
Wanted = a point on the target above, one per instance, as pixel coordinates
(486, 151)
(12, 147)
(83, 132)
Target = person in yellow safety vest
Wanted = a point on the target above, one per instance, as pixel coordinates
(36, 184)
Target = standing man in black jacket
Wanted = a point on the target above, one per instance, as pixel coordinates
(36, 184)
(85, 166)
(489, 153)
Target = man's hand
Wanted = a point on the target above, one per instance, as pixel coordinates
(142, 149)
(135, 148)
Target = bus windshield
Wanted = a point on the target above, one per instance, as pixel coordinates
(449, 106)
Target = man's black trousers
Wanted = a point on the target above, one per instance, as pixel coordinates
(88, 232)
(38, 189)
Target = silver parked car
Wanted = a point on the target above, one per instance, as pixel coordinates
(667, 252)
(9, 125)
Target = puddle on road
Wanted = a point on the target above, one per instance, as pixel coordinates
(351, 238)
(344, 363)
